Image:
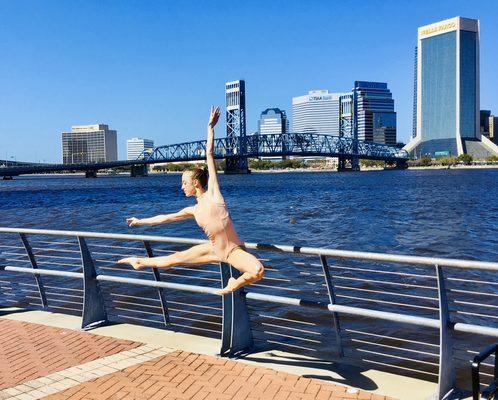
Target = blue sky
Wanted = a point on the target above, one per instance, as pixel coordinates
(152, 68)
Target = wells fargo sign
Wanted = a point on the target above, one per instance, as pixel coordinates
(438, 28)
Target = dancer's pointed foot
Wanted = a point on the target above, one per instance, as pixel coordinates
(229, 288)
(133, 261)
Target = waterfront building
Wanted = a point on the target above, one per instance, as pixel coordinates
(493, 129)
(484, 122)
(376, 118)
(316, 112)
(136, 146)
(448, 91)
(89, 144)
(273, 121)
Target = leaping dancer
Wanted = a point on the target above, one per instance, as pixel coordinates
(212, 215)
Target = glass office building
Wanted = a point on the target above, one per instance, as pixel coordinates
(273, 121)
(447, 90)
(89, 144)
(376, 118)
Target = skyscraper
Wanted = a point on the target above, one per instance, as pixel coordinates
(376, 117)
(448, 90)
(88, 144)
(136, 146)
(316, 112)
(273, 121)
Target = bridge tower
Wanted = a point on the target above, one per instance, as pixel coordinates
(235, 92)
(348, 127)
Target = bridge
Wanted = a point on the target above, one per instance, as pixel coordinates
(287, 144)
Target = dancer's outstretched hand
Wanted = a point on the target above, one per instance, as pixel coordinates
(132, 221)
(215, 115)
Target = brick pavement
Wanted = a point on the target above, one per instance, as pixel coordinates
(95, 367)
(29, 351)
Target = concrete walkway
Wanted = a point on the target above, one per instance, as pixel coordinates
(48, 357)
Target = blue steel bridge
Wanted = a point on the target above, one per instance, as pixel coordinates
(287, 144)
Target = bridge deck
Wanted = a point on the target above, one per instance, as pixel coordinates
(50, 358)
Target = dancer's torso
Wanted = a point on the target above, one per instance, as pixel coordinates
(214, 219)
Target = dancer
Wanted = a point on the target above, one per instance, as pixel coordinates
(211, 214)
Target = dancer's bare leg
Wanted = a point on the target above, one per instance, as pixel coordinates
(251, 268)
(196, 255)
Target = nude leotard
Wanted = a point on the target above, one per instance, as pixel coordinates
(214, 219)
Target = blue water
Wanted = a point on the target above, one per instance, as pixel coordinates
(448, 213)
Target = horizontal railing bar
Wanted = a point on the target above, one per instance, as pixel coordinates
(475, 304)
(395, 347)
(471, 292)
(481, 330)
(476, 314)
(59, 264)
(44, 249)
(287, 319)
(386, 302)
(472, 281)
(399, 367)
(391, 337)
(414, 260)
(49, 272)
(292, 329)
(398, 357)
(412, 296)
(377, 271)
(65, 295)
(384, 282)
(63, 301)
(288, 336)
(291, 345)
(64, 288)
(64, 308)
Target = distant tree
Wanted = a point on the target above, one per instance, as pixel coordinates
(448, 160)
(425, 161)
(466, 159)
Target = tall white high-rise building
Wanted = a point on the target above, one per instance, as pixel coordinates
(89, 144)
(316, 112)
(136, 146)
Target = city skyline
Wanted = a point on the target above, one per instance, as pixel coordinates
(149, 64)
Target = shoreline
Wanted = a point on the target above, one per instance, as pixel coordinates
(281, 171)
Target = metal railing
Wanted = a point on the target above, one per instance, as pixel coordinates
(415, 293)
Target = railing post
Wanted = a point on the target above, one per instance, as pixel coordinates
(160, 292)
(94, 313)
(236, 337)
(32, 260)
(446, 379)
(332, 300)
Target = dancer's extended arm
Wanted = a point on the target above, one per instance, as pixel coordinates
(186, 213)
(213, 183)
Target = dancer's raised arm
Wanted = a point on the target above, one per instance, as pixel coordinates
(213, 183)
(186, 213)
